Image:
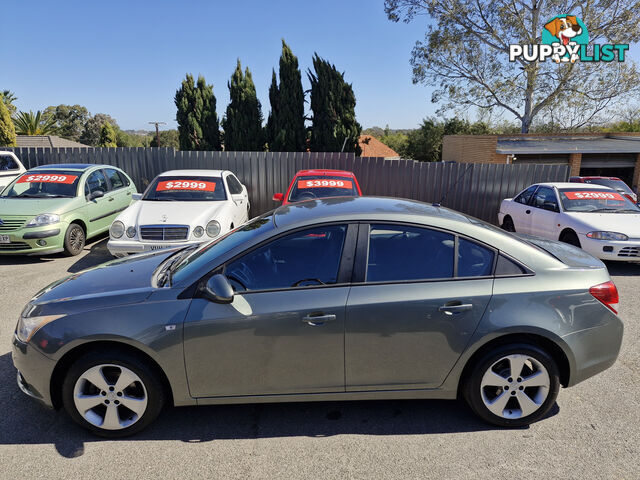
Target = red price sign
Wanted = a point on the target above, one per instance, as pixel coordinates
(47, 178)
(325, 184)
(593, 196)
(195, 185)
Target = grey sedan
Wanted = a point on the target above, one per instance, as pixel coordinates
(334, 299)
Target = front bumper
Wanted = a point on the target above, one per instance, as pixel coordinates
(43, 240)
(34, 371)
(119, 247)
(621, 251)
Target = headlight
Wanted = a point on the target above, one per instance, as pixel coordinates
(44, 219)
(27, 326)
(607, 236)
(117, 229)
(198, 232)
(131, 232)
(213, 228)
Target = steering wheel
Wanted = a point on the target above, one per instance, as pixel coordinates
(306, 196)
(308, 280)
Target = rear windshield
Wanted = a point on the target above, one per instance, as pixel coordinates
(182, 188)
(44, 184)
(585, 199)
(321, 186)
(608, 182)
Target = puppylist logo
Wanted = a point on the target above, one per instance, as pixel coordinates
(565, 38)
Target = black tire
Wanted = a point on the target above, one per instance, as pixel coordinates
(74, 240)
(507, 224)
(473, 391)
(571, 238)
(150, 389)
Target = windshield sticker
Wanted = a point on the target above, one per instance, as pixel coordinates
(186, 185)
(47, 178)
(325, 184)
(593, 195)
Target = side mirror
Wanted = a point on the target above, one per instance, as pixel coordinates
(218, 289)
(96, 194)
(136, 196)
(278, 197)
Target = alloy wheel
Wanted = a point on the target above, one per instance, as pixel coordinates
(76, 239)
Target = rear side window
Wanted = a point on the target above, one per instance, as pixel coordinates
(525, 196)
(474, 260)
(114, 178)
(401, 253)
(235, 187)
(506, 267)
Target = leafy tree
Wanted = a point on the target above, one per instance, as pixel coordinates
(198, 125)
(93, 128)
(8, 97)
(70, 120)
(7, 129)
(29, 123)
(285, 127)
(107, 136)
(333, 104)
(397, 141)
(168, 138)
(375, 132)
(242, 123)
(465, 55)
(126, 139)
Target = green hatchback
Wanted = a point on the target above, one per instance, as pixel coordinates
(55, 208)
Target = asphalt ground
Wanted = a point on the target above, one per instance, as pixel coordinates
(593, 432)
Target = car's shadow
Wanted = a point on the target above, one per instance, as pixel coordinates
(623, 269)
(30, 423)
(97, 255)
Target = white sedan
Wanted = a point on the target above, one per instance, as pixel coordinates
(178, 208)
(596, 218)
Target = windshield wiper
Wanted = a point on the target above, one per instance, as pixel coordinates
(164, 276)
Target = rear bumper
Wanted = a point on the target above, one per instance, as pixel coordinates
(34, 371)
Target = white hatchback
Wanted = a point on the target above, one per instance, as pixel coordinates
(178, 208)
(596, 218)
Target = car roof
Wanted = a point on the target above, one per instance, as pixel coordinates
(571, 185)
(193, 172)
(70, 166)
(324, 171)
(598, 178)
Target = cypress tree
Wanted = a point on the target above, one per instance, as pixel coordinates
(7, 128)
(107, 136)
(196, 115)
(243, 120)
(274, 99)
(333, 104)
(288, 133)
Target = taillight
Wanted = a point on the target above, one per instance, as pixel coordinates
(607, 293)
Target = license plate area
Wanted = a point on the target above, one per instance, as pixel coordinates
(4, 239)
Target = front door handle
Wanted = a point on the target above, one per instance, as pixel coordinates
(318, 319)
(455, 308)
(111, 199)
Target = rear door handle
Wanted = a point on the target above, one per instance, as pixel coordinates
(455, 308)
(317, 319)
(528, 212)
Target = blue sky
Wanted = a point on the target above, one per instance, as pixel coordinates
(127, 58)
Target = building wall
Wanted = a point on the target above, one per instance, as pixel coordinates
(471, 149)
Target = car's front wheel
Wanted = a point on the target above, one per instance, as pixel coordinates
(513, 385)
(74, 240)
(112, 394)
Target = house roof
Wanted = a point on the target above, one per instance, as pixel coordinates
(46, 141)
(372, 147)
(596, 144)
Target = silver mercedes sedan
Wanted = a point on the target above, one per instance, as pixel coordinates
(332, 299)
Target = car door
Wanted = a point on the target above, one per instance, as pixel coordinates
(99, 208)
(284, 331)
(545, 214)
(412, 308)
(239, 199)
(119, 191)
(520, 210)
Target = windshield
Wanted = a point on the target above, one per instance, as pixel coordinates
(609, 182)
(183, 188)
(207, 253)
(321, 186)
(44, 184)
(591, 200)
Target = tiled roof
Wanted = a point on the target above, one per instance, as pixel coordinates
(372, 147)
(46, 141)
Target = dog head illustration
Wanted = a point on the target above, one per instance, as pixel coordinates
(565, 29)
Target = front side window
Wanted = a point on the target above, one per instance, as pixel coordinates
(321, 186)
(95, 182)
(7, 163)
(188, 188)
(545, 198)
(305, 258)
(402, 253)
(525, 196)
(44, 184)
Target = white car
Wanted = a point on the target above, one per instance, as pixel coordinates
(10, 168)
(178, 208)
(594, 217)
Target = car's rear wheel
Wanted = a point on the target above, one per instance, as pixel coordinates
(513, 385)
(571, 238)
(507, 224)
(74, 240)
(112, 394)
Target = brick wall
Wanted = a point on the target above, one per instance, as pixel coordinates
(471, 149)
(575, 159)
